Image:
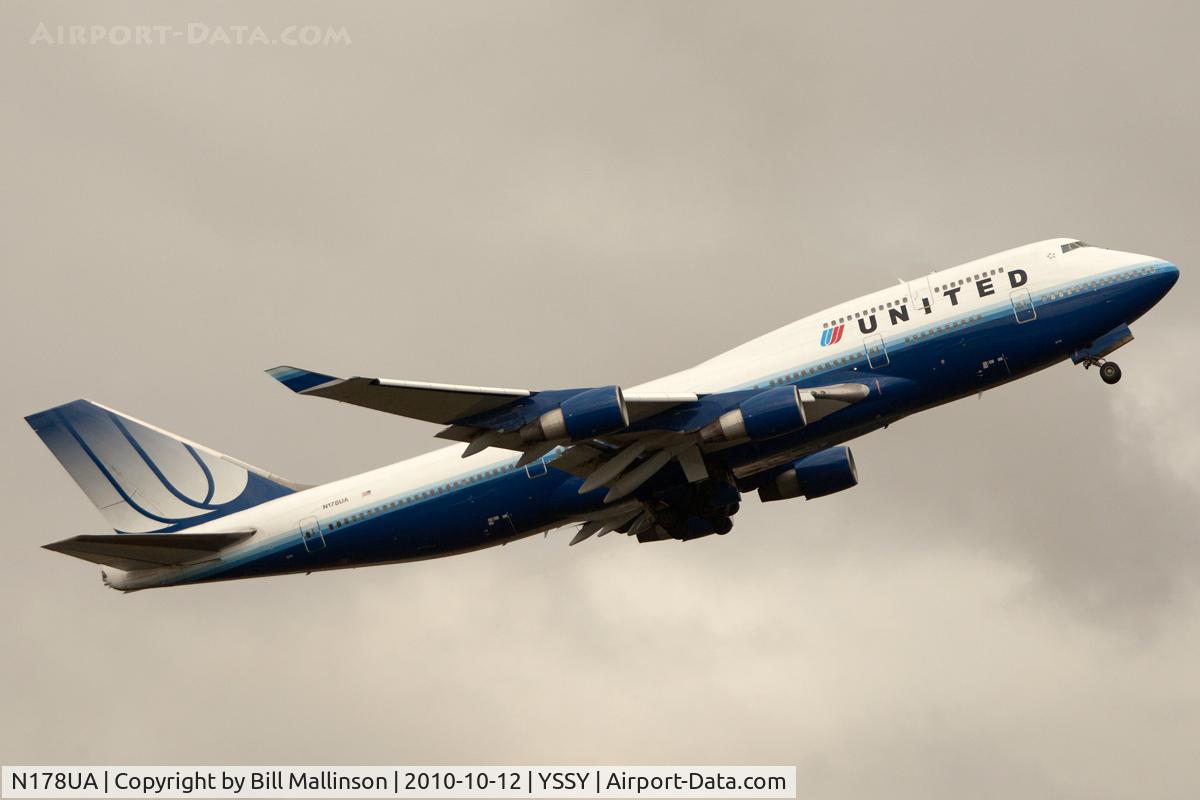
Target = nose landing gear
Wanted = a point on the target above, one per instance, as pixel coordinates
(1110, 373)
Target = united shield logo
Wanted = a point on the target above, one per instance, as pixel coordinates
(832, 335)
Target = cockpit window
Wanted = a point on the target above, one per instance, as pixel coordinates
(1069, 246)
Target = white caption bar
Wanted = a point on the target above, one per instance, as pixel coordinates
(372, 782)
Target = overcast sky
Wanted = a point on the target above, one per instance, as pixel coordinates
(563, 194)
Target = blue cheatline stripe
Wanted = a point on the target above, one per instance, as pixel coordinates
(208, 476)
(158, 473)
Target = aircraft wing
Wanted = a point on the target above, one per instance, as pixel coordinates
(442, 403)
(431, 402)
(133, 551)
(609, 437)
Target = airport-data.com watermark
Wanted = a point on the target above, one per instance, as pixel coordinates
(200, 34)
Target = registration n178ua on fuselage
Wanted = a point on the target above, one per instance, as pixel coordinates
(667, 460)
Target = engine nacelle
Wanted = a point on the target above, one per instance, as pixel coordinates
(770, 413)
(813, 476)
(594, 412)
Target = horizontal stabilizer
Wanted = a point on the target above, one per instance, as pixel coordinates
(133, 551)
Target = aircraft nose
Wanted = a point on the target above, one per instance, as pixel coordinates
(1168, 275)
(1171, 273)
(1163, 277)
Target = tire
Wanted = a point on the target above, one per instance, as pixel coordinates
(1110, 373)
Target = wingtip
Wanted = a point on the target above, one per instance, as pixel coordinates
(299, 380)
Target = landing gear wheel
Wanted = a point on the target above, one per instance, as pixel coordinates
(1110, 373)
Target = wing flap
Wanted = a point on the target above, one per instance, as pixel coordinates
(134, 551)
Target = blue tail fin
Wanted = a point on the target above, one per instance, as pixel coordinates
(144, 479)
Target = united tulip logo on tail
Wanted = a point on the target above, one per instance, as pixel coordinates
(832, 335)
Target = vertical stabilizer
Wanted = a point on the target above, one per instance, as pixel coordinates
(144, 479)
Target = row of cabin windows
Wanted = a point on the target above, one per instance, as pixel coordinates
(371, 512)
(866, 313)
(804, 373)
(446, 487)
(1096, 284)
(949, 326)
(968, 279)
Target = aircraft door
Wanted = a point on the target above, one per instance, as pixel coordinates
(310, 534)
(1022, 305)
(877, 355)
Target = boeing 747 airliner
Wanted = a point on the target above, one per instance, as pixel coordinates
(669, 459)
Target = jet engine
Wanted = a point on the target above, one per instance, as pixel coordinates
(770, 413)
(813, 476)
(594, 412)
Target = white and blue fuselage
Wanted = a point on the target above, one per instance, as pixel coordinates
(912, 346)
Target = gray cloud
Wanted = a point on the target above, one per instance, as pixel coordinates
(555, 195)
